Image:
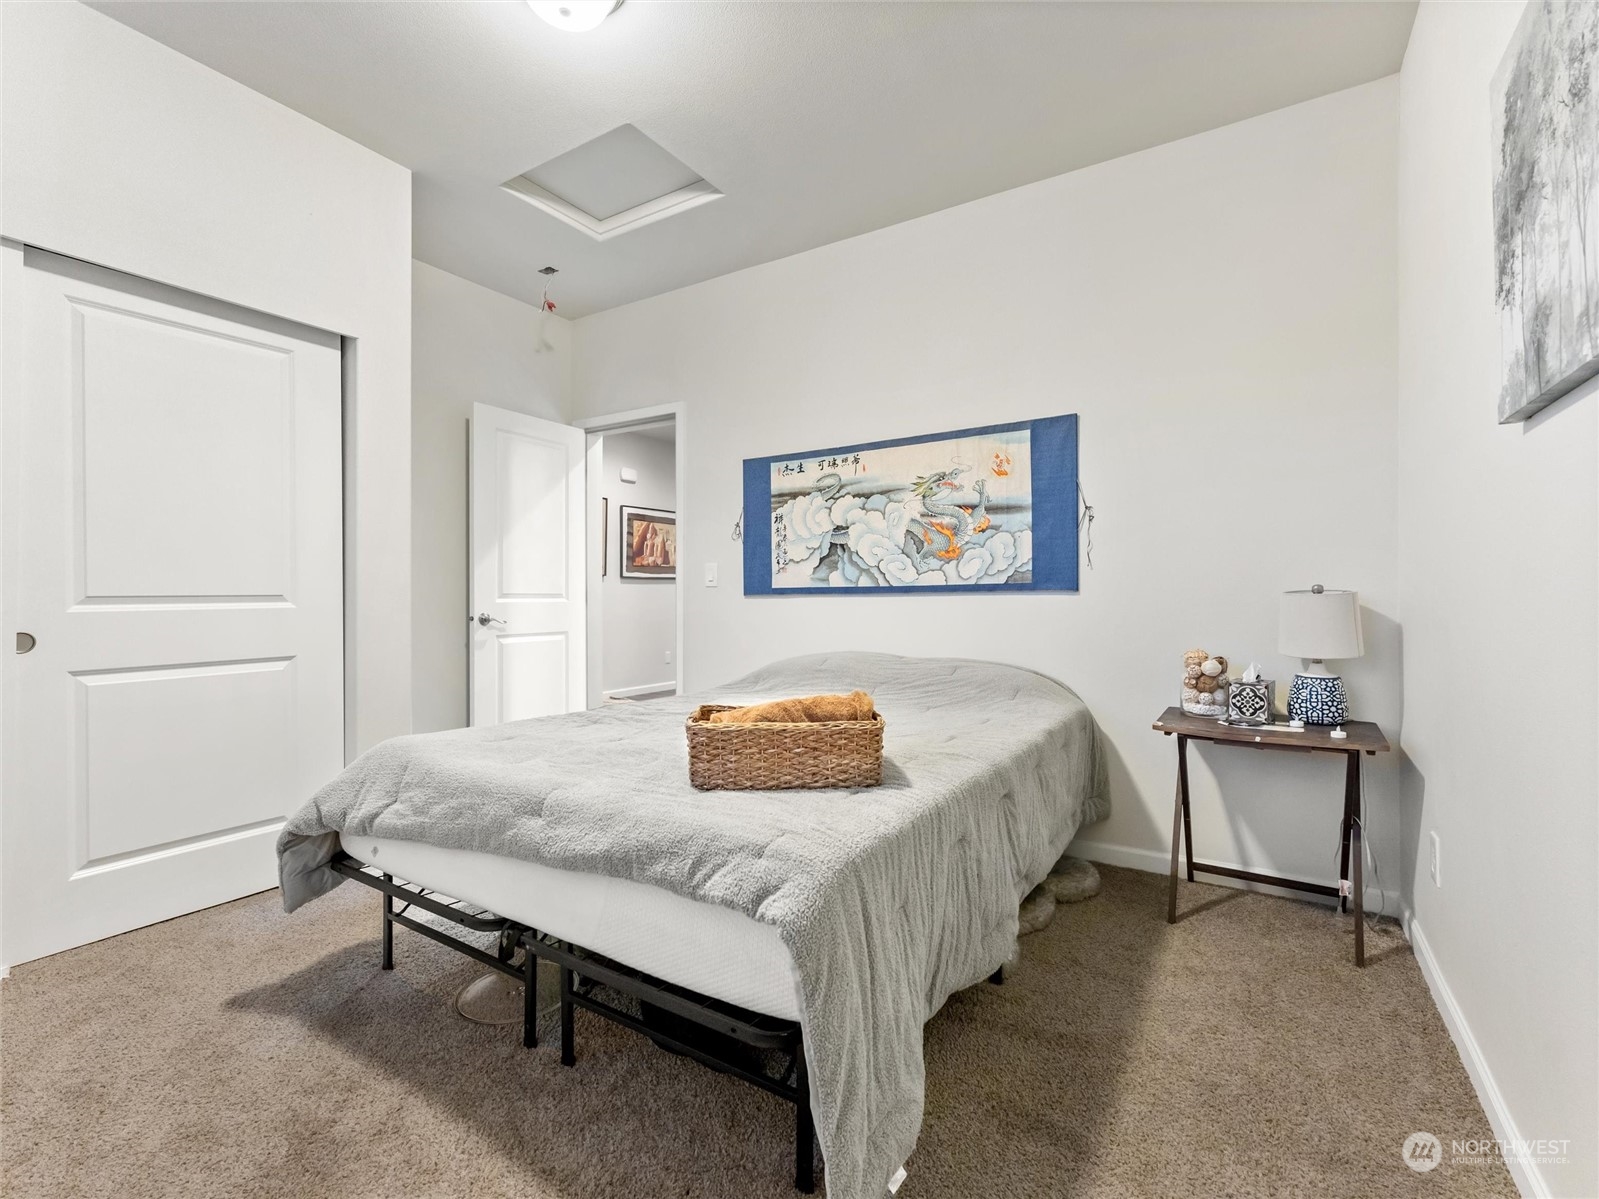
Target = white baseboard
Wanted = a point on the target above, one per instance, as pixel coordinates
(646, 689)
(1154, 861)
(1528, 1177)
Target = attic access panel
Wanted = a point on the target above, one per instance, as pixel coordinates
(618, 181)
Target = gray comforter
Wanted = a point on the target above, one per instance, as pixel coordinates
(890, 898)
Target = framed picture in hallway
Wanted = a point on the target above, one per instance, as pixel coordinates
(649, 543)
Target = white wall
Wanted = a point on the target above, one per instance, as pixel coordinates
(1219, 310)
(1499, 550)
(123, 152)
(640, 615)
(469, 345)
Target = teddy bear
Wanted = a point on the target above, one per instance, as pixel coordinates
(1204, 684)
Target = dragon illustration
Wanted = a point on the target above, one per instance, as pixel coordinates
(946, 521)
(951, 517)
(828, 486)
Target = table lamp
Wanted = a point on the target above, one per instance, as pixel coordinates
(1319, 624)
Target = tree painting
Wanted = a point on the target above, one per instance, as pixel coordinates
(1546, 205)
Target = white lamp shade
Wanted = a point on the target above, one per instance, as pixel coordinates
(1320, 624)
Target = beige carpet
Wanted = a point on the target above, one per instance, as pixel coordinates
(240, 1052)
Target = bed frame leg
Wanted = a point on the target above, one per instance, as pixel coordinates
(568, 1049)
(388, 926)
(530, 998)
(804, 1127)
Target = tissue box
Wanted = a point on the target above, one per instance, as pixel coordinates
(1250, 702)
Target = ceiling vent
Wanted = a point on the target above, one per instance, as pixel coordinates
(619, 181)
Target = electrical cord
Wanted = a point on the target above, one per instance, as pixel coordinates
(1369, 857)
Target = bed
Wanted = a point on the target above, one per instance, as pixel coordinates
(847, 916)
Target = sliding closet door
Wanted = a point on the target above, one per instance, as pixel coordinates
(174, 584)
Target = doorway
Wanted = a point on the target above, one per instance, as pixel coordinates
(635, 561)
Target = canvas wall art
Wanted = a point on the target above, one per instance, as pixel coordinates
(1546, 206)
(649, 543)
(993, 508)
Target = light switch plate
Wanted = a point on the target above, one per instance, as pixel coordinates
(710, 574)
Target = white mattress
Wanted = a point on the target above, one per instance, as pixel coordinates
(703, 946)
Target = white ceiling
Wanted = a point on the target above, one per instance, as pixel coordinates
(817, 120)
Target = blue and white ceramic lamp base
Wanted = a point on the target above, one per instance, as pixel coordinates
(1318, 699)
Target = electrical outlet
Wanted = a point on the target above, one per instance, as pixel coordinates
(1433, 864)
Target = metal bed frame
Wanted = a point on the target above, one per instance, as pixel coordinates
(586, 981)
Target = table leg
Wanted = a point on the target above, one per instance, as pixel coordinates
(1360, 902)
(1357, 833)
(1182, 787)
(1179, 811)
(1351, 808)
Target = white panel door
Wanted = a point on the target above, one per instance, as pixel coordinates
(527, 612)
(173, 556)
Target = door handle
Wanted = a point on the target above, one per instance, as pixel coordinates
(484, 619)
(25, 642)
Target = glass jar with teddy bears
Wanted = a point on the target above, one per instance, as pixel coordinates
(1205, 684)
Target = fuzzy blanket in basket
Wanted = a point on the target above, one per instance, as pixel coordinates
(810, 709)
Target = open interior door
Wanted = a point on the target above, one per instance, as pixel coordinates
(527, 607)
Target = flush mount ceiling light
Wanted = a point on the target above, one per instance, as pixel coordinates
(574, 16)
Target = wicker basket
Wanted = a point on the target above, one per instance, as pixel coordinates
(778, 757)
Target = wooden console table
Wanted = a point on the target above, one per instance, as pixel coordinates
(1364, 738)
